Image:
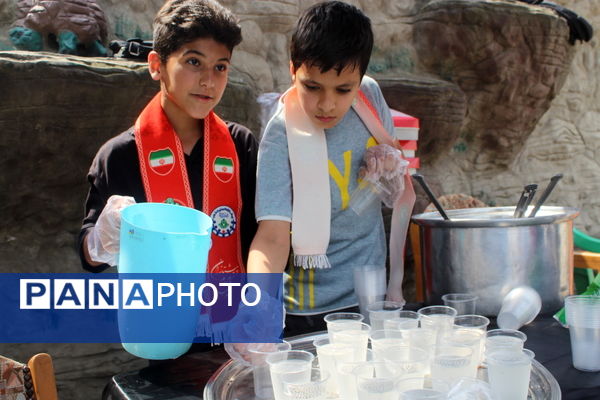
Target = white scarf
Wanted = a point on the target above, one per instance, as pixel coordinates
(311, 210)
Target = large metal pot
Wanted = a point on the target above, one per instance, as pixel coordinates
(487, 252)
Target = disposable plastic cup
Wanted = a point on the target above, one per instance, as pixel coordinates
(293, 365)
(475, 322)
(382, 310)
(365, 194)
(345, 371)
(342, 320)
(375, 381)
(382, 339)
(405, 320)
(509, 373)
(330, 355)
(471, 338)
(355, 335)
(425, 339)
(369, 286)
(472, 321)
(519, 307)
(263, 388)
(408, 362)
(583, 318)
(438, 318)
(315, 389)
(463, 303)
(451, 363)
(421, 389)
(504, 339)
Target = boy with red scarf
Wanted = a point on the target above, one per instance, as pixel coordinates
(179, 151)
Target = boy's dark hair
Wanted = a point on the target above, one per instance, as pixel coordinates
(182, 21)
(330, 35)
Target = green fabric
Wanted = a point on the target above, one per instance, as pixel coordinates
(26, 39)
(67, 42)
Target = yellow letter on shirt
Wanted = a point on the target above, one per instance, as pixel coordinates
(342, 181)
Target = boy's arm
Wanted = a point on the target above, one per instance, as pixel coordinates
(270, 248)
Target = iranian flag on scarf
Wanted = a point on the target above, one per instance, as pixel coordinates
(162, 161)
(223, 168)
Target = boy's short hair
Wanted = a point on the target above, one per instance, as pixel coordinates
(182, 21)
(330, 35)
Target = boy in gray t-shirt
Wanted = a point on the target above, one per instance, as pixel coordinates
(304, 185)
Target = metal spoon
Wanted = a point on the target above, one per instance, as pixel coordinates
(419, 178)
(553, 181)
(524, 200)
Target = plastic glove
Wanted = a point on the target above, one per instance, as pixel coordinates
(384, 164)
(239, 352)
(103, 240)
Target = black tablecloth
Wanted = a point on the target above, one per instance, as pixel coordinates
(185, 377)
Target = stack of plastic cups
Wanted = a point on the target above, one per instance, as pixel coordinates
(583, 318)
(369, 286)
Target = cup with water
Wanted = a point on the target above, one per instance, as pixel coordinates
(451, 363)
(263, 389)
(504, 339)
(314, 389)
(509, 373)
(330, 355)
(293, 365)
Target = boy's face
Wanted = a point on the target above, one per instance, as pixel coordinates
(193, 78)
(325, 96)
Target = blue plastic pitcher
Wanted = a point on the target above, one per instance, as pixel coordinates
(161, 238)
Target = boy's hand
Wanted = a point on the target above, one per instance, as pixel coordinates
(103, 240)
(385, 165)
(383, 161)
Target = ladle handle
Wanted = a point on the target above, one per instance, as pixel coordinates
(553, 181)
(419, 178)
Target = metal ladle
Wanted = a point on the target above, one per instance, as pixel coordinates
(419, 178)
(553, 181)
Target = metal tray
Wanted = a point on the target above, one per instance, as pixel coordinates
(233, 381)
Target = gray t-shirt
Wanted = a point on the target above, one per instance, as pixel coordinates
(354, 240)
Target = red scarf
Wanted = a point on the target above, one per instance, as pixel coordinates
(165, 179)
